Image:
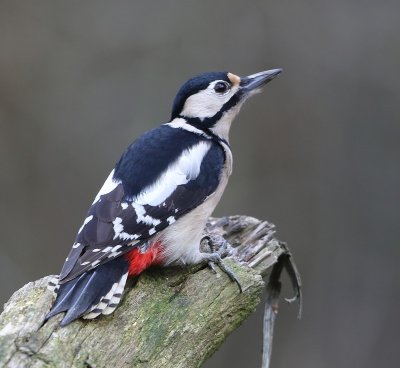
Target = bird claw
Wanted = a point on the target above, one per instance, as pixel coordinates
(212, 267)
(214, 259)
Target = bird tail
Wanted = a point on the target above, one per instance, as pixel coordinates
(95, 292)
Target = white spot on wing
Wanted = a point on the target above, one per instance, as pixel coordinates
(142, 217)
(114, 251)
(118, 227)
(119, 230)
(171, 219)
(114, 254)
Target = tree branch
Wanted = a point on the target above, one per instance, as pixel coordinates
(172, 317)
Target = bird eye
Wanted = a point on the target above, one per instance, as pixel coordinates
(221, 87)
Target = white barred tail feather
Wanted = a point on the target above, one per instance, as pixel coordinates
(78, 296)
(109, 302)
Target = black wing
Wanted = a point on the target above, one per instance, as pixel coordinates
(129, 214)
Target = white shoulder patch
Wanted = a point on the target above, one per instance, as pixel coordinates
(109, 185)
(184, 169)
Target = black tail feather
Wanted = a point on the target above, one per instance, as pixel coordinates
(77, 296)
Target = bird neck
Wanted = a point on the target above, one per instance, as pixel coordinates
(221, 128)
(217, 128)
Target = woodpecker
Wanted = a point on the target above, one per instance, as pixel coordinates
(153, 207)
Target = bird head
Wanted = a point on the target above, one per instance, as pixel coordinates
(210, 101)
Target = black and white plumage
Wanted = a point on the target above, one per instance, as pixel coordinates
(153, 207)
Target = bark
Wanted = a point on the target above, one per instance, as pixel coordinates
(172, 317)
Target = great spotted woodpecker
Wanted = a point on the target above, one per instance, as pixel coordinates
(153, 207)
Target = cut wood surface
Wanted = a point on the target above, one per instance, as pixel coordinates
(173, 317)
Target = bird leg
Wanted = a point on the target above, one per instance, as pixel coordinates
(214, 258)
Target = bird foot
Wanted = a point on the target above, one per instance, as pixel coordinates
(214, 258)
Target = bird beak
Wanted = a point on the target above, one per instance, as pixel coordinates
(254, 82)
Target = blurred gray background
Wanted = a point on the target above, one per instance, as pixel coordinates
(317, 153)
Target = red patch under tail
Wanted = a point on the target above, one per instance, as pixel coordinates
(139, 261)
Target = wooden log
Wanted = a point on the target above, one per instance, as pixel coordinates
(173, 317)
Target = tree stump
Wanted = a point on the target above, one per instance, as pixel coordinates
(173, 317)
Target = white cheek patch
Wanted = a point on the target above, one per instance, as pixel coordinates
(206, 103)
